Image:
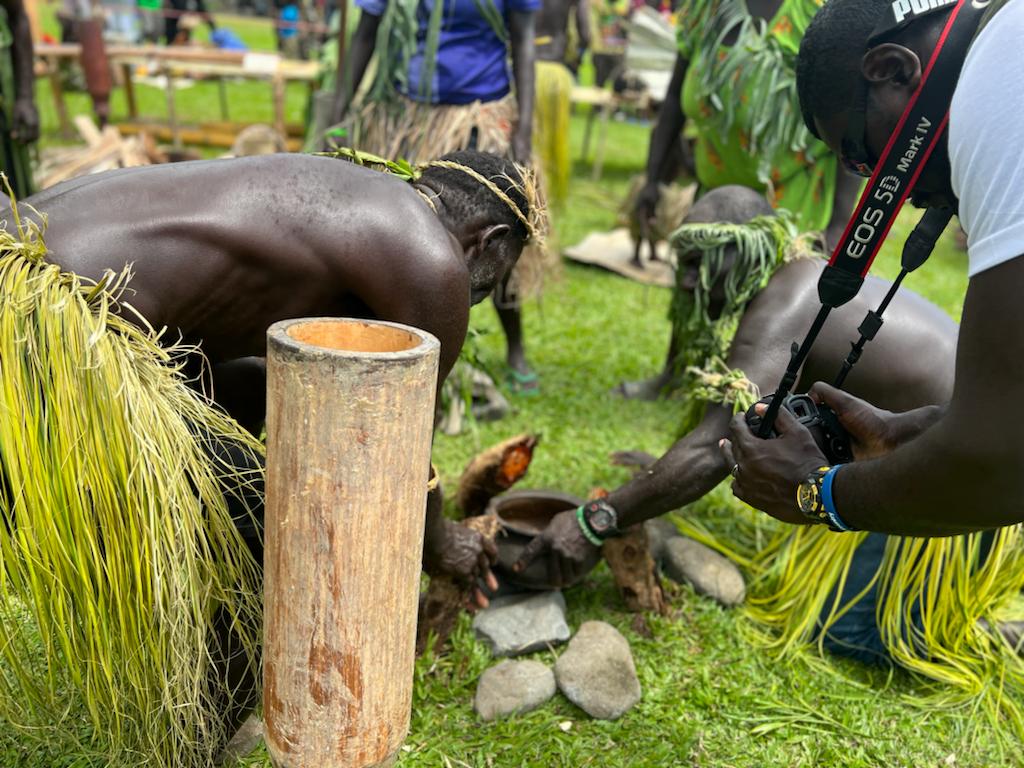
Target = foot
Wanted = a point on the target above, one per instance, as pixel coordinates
(638, 460)
(648, 389)
(522, 382)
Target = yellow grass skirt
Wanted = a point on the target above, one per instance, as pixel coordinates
(937, 601)
(116, 544)
(551, 129)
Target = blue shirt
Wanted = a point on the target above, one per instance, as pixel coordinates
(472, 61)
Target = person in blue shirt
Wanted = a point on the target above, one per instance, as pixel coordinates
(464, 96)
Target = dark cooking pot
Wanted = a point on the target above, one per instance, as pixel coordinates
(523, 515)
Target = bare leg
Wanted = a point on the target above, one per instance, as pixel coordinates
(638, 246)
(510, 314)
(653, 245)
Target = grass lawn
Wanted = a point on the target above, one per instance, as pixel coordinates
(709, 699)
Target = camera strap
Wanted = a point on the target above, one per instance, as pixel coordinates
(910, 145)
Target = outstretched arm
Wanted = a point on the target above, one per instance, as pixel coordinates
(690, 469)
(962, 474)
(352, 69)
(522, 34)
(694, 465)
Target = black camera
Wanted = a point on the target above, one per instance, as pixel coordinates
(822, 422)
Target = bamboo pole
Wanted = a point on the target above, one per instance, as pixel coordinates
(350, 407)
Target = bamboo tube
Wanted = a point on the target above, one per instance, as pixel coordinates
(350, 407)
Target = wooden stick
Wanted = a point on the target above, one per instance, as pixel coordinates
(279, 104)
(196, 135)
(87, 129)
(350, 406)
(127, 72)
(109, 149)
(57, 90)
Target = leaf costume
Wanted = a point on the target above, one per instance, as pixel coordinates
(741, 103)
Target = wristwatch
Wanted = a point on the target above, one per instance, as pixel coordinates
(598, 521)
(809, 499)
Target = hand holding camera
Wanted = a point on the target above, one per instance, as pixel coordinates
(820, 421)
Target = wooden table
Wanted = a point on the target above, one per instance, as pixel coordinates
(181, 61)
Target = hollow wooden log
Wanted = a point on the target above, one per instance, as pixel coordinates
(350, 408)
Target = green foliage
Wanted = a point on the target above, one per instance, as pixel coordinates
(759, 248)
(400, 168)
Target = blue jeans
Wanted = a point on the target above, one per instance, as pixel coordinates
(856, 634)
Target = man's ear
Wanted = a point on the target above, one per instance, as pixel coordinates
(892, 63)
(488, 235)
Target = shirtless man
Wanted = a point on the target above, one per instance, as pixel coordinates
(552, 31)
(222, 249)
(909, 365)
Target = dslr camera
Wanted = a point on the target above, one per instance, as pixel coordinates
(820, 420)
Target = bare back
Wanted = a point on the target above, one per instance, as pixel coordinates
(223, 248)
(909, 364)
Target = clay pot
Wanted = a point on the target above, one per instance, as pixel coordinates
(523, 515)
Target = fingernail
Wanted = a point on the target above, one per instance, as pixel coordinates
(760, 409)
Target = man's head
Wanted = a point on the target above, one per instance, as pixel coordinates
(489, 204)
(724, 205)
(854, 82)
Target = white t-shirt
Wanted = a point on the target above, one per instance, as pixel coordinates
(986, 141)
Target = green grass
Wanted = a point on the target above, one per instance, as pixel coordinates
(709, 699)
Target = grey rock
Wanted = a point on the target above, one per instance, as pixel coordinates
(659, 530)
(513, 686)
(596, 672)
(690, 562)
(245, 740)
(520, 624)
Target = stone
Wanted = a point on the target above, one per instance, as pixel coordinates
(597, 673)
(520, 624)
(245, 740)
(513, 686)
(659, 531)
(709, 573)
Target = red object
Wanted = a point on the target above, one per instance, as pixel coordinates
(96, 66)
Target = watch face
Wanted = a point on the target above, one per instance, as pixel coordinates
(807, 497)
(600, 520)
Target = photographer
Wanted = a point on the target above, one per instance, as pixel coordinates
(929, 472)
